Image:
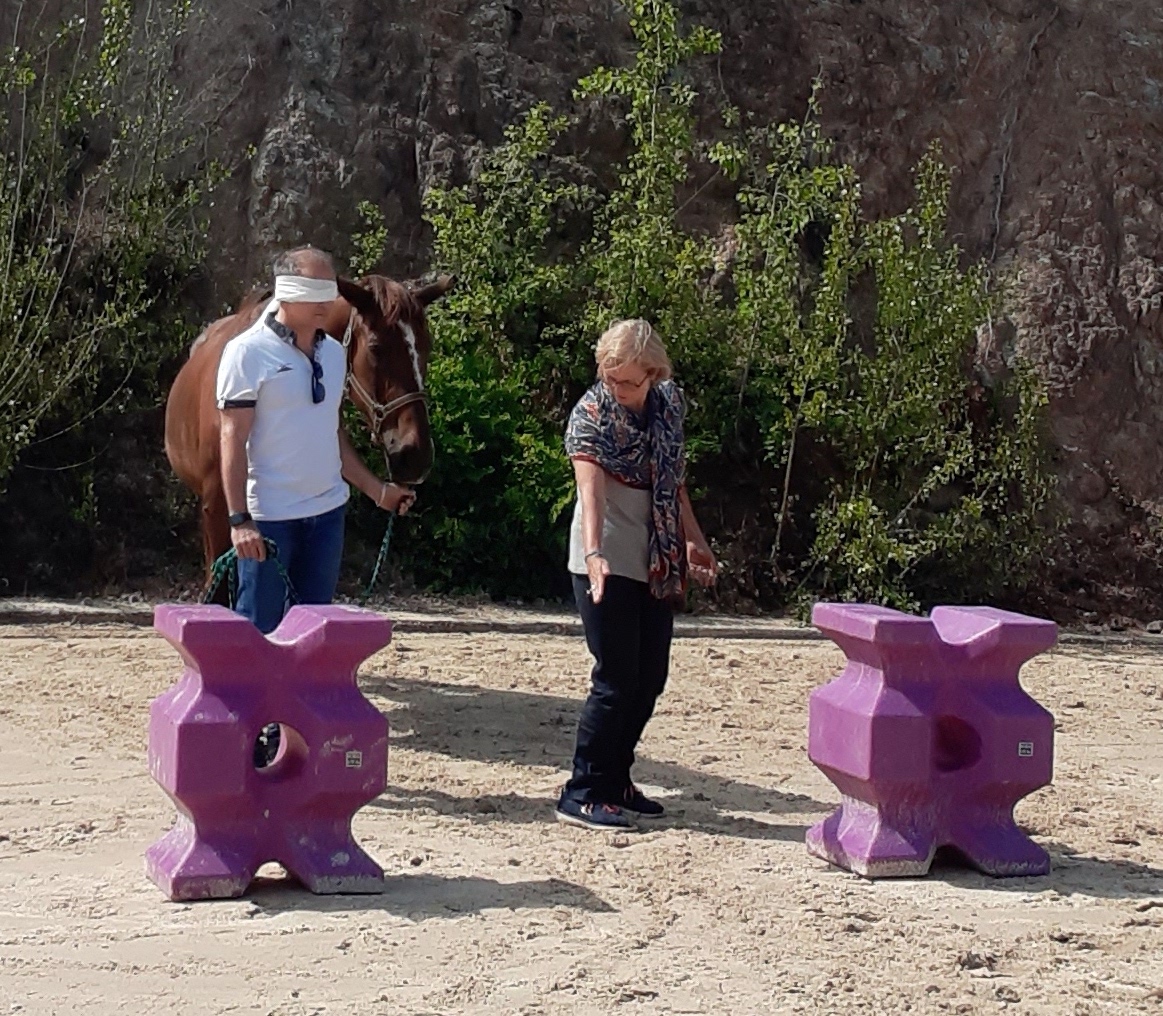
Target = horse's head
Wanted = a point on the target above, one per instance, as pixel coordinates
(388, 346)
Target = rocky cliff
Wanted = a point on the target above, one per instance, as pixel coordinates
(1051, 112)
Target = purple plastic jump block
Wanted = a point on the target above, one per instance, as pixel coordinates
(332, 759)
(930, 739)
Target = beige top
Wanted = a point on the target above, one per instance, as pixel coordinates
(625, 534)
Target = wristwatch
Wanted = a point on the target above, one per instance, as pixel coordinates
(237, 519)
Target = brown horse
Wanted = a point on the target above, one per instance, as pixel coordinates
(383, 328)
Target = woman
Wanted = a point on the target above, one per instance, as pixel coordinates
(633, 542)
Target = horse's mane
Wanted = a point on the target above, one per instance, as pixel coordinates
(260, 295)
(256, 298)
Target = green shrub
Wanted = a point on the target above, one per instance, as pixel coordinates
(95, 227)
(490, 509)
(811, 342)
(102, 202)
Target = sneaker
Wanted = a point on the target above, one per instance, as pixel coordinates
(591, 816)
(267, 746)
(639, 804)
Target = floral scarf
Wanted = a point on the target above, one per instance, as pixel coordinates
(649, 455)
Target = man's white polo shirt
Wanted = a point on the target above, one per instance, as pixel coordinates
(293, 464)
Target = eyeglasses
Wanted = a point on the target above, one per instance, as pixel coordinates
(318, 392)
(625, 385)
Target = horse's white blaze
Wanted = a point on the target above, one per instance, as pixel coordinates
(379, 411)
(410, 339)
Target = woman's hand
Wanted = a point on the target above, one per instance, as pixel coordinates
(395, 498)
(597, 567)
(701, 563)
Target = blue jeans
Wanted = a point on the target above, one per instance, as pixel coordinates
(310, 550)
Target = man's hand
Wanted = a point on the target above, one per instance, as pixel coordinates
(248, 542)
(396, 498)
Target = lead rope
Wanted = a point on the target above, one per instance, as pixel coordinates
(384, 545)
(226, 569)
(380, 559)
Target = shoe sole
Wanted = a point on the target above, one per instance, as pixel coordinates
(581, 823)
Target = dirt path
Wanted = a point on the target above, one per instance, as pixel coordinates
(493, 908)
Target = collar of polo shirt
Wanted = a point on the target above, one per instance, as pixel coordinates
(288, 334)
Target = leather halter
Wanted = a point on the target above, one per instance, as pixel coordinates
(380, 411)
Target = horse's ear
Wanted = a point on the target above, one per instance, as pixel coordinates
(363, 300)
(434, 290)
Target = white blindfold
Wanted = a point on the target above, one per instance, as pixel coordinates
(296, 289)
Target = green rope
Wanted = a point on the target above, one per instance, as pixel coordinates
(385, 543)
(226, 569)
(380, 559)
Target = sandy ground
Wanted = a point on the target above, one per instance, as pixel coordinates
(492, 907)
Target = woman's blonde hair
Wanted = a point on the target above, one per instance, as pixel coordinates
(633, 341)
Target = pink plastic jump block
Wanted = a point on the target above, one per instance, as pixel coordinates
(332, 759)
(930, 739)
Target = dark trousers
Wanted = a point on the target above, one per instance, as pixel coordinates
(628, 635)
